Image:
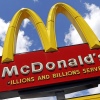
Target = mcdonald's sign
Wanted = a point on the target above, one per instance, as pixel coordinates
(52, 65)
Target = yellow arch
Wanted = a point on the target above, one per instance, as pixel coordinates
(10, 41)
(47, 34)
(76, 19)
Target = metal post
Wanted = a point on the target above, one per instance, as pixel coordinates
(60, 95)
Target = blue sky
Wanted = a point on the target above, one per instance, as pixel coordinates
(28, 39)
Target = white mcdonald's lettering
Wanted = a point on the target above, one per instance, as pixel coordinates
(50, 66)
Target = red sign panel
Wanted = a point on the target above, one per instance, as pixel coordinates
(36, 69)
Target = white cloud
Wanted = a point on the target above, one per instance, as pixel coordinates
(40, 48)
(72, 37)
(75, 94)
(16, 98)
(84, 92)
(43, 98)
(92, 18)
(94, 90)
(36, 0)
(1, 50)
(25, 22)
(3, 29)
(23, 42)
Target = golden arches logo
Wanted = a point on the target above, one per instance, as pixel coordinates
(47, 33)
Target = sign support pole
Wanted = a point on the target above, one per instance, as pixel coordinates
(60, 95)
